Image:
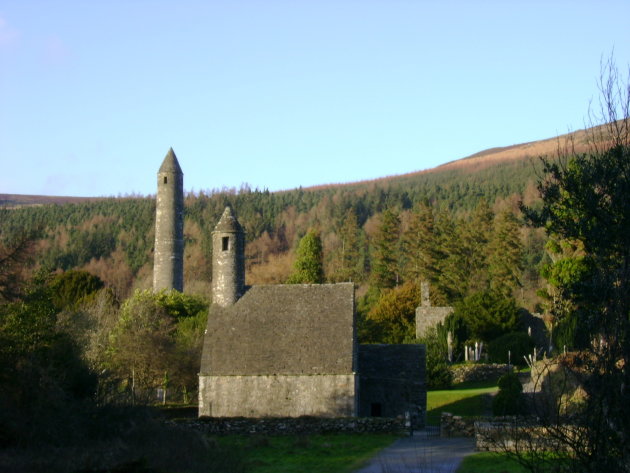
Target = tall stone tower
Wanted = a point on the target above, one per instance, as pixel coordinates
(228, 260)
(168, 263)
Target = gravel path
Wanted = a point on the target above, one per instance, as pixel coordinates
(424, 452)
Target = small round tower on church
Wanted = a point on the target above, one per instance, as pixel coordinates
(168, 262)
(228, 260)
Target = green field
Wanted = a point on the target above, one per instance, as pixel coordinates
(465, 399)
(490, 463)
(326, 453)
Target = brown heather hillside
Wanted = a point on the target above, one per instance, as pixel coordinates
(22, 200)
(577, 141)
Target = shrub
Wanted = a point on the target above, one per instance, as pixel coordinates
(519, 344)
(439, 375)
(509, 400)
(488, 315)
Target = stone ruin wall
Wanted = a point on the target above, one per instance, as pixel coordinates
(429, 317)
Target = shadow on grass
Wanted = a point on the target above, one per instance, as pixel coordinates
(476, 384)
(472, 406)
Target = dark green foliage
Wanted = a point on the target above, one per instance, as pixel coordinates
(569, 334)
(385, 272)
(505, 254)
(350, 256)
(518, 344)
(308, 267)
(509, 400)
(73, 287)
(488, 315)
(180, 305)
(455, 323)
(421, 253)
(368, 330)
(439, 375)
(40, 368)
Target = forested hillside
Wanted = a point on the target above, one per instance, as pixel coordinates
(454, 212)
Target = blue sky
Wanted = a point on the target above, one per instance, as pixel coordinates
(281, 94)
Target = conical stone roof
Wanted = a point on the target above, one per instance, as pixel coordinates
(170, 163)
(228, 222)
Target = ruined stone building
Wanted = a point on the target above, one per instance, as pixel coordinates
(427, 315)
(281, 350)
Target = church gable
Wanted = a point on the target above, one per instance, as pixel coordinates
(283, 330)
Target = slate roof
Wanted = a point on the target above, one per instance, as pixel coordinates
(293, 329)
(170, 163)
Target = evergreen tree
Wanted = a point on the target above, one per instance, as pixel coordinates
(488, 315)
(420, 247)
(308, 267)
(350, 268)
(453, 267)
(505, 254)
(385, 271)
(476, 234)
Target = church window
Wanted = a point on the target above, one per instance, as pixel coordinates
(165, 179)
(225, 243)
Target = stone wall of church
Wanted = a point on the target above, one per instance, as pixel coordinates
(429, 317)
(278, 396)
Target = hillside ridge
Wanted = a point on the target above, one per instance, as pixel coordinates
(476, 161)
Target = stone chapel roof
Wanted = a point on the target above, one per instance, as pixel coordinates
(293, 329)
(170, 163)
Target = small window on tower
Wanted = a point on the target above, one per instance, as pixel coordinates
(226, 243)
(165, 179)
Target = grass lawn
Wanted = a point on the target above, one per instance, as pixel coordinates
(465, 399)
(501, 463)
(326, 453)
(490, 463)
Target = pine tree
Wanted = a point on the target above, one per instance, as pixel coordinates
(420, 246)
(453, 269)
(385, 272)
(476, 234)
(308, 267)
(350, 258)
(505, 254)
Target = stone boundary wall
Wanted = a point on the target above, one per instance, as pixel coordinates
(508, 434)
(457, 426)
(477, 372)
(296, 425)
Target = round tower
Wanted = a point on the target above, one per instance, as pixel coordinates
(168, 262)
(228, 260)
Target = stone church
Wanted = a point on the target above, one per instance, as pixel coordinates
(284, 350)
